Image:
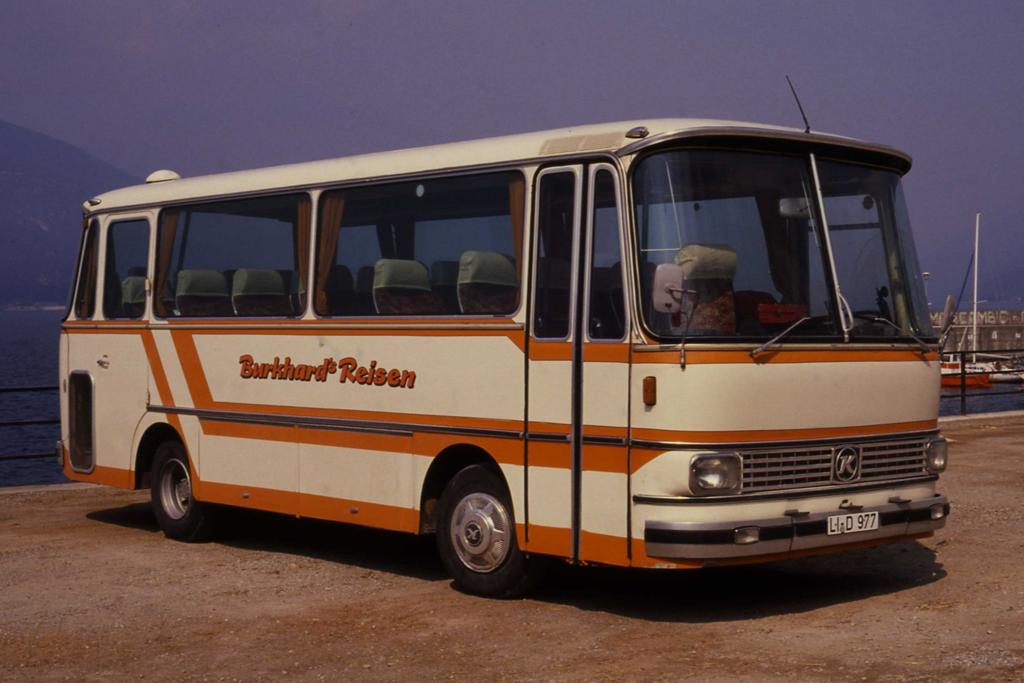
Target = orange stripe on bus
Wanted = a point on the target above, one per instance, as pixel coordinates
(108, 476)
(642, 456)
(597, 353)
(606, 353)
(548, 540)
(601, 458)
(163, 387)
(550, 454)
(542, 350)
(192, 368)
(709, 357)
(604, 548)
(359, 512)
(313, 506)
(504, 451)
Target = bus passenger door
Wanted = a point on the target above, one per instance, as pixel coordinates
(577, 472)
(550, 450)
(602, 379)
(107, 364)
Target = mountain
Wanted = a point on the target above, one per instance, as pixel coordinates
(43, 182)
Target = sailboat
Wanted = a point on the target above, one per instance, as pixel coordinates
(975, 374)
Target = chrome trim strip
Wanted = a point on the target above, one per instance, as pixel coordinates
(745, 445)
(711, 540)
(819, 492)
(301, 324)
(548, 436)
(605, 440)
(333, 423)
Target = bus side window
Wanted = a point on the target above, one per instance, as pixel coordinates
(85, 291)
(607, 305)
(556, 219)
(441, 246)
(244, 258)
(124, 278)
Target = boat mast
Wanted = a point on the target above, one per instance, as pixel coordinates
(974, 317)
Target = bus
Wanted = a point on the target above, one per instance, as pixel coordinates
(654, 344)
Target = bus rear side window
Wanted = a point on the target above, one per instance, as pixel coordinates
(245, 258)
(85, 291)
(124, 279)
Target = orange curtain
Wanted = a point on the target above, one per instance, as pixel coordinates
(332, 206)
(302, 231)
(516, 199)
(164, 247)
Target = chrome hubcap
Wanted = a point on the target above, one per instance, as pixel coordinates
(480, 531)
(175, 489)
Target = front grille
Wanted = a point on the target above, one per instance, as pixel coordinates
(771, 469)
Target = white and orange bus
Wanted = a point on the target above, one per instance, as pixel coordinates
(668, 343)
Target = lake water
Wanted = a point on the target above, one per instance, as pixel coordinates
(28, 345)
(28, 342)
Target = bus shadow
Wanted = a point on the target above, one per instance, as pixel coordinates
(723, 594)
(374, 549)
(717, 594)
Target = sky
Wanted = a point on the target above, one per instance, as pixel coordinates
(204, 87)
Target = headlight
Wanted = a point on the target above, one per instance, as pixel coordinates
(714, 474)
(935, 455)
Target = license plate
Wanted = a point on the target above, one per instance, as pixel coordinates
(851, 524)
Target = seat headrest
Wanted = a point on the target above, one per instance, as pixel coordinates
(340, 279)
(133, 289)
(707, 261)
(486, 268)
(198, 282)
(401, 274)
(257, 282)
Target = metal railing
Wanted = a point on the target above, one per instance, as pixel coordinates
(23, 423)
(979, 382)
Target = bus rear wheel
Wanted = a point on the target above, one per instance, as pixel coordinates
(476, 537)
(178, 513)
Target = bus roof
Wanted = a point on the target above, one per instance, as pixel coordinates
(508, 149)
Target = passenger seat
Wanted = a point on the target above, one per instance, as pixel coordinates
(487, 283)
(259, 292)
(402, 287)
(202, 293)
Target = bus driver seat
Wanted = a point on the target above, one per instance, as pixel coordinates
(708, 270)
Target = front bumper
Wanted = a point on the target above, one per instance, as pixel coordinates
(795, 531)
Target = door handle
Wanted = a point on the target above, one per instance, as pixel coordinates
(103, 362)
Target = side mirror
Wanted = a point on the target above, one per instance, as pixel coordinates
(667, 292)
(947, 320)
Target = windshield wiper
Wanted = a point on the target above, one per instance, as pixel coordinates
(879, 319)
(779, 337)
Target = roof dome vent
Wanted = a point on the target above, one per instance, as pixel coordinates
(161, 176)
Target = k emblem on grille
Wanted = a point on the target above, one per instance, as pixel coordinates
(845, 464)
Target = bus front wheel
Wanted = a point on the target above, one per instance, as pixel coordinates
(178, 513)
(476, 536)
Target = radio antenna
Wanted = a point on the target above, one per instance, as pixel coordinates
(807, 126)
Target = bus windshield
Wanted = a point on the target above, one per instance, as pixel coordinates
(876, 264)
(745, 231)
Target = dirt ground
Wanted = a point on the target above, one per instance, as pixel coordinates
(90, 590)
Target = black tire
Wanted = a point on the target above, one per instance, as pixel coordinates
(476, 537)
(177, 512)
